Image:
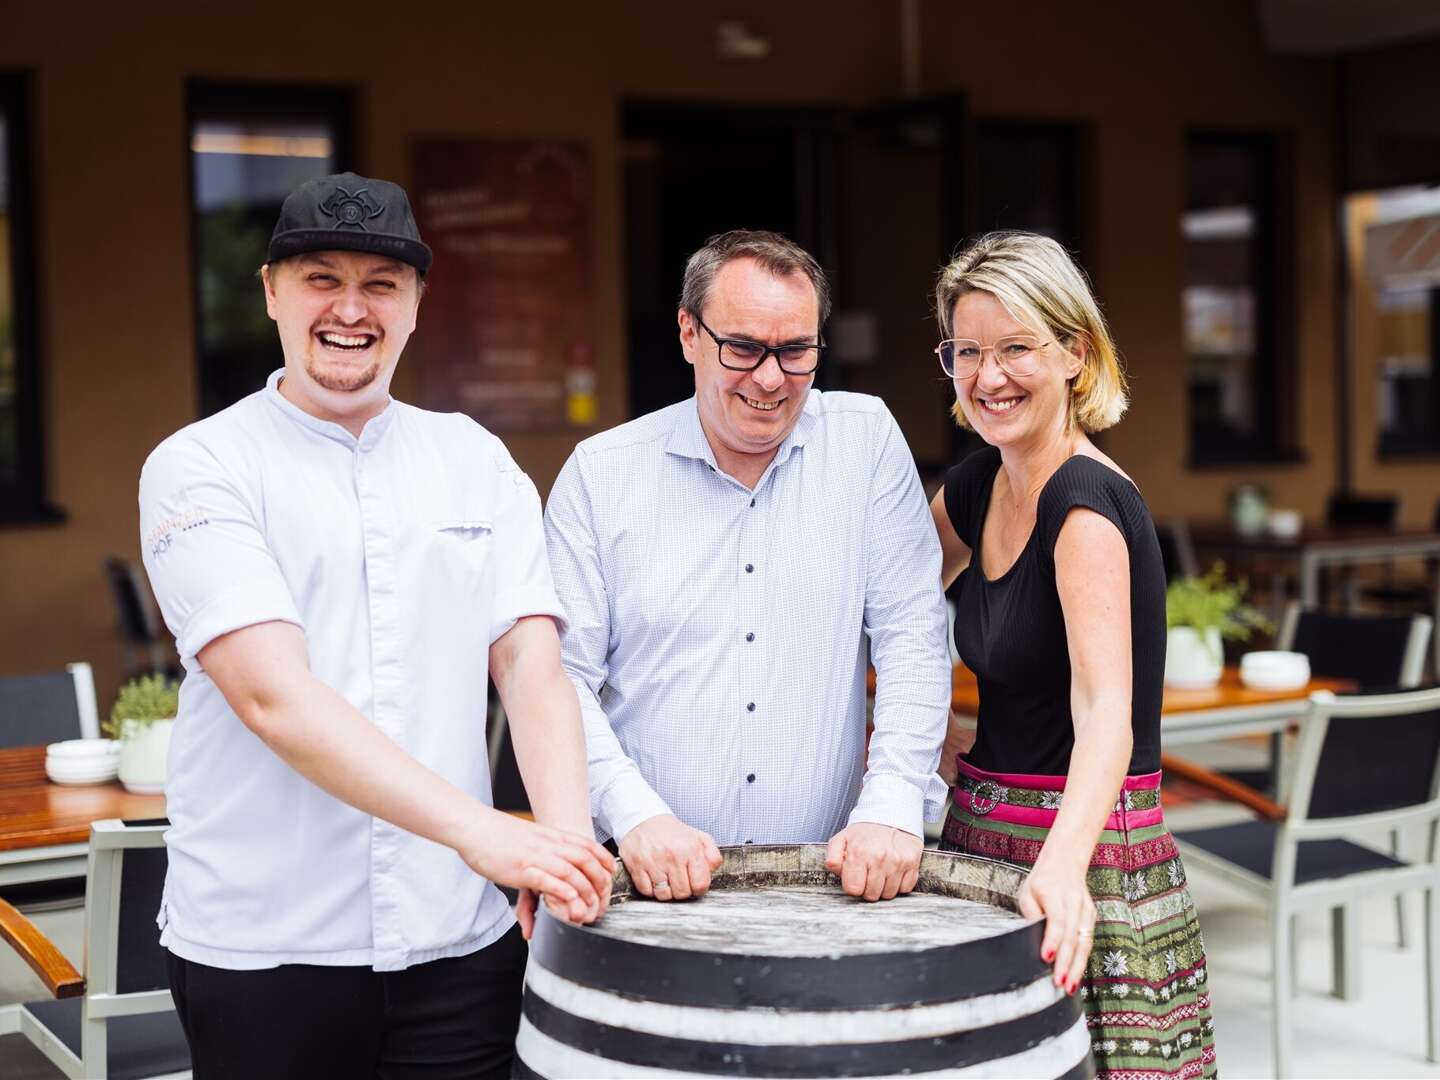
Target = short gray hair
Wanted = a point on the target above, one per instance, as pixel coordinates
(777, 254)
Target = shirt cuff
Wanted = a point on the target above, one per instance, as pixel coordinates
(894, 801)
(520, 604)
(239, 606)
(627, 803)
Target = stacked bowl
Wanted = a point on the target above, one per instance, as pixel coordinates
(82, 761)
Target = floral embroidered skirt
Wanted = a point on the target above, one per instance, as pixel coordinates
(1145, 993)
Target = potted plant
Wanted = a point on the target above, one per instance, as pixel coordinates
(142, 718)
(1199, 613)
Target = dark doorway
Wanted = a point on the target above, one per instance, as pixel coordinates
(691, 171)
(877, 195)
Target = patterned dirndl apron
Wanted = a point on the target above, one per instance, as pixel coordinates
(1144, 992)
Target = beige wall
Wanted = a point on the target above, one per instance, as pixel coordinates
(114, 241)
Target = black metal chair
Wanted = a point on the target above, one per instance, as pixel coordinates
(1363, 761)
(1177, 549)
(117, 1021)
(1375, 651)
(48, 707)
(1346, 511)
(143, 636)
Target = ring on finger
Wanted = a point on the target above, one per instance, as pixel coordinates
(1083, 931)
(662, 884)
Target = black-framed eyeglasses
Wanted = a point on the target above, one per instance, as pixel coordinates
(737, 354)
(1017, 355)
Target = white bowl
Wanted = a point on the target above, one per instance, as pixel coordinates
(1274, 670)
(1286, 524)
(88, 774)
(83, 749)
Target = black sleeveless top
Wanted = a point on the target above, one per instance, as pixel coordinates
(1011, 631)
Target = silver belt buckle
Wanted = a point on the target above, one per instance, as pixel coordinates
(982, 803)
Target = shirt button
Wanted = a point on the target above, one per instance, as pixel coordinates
(752, 507)
(750, 707)
(750, 637)
(749, 841)
(749, 568)
(750, 779)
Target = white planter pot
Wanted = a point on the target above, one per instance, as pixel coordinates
(1193, 662)
(143, 751)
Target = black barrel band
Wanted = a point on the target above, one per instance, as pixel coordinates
(930, 1054)
(658, 973)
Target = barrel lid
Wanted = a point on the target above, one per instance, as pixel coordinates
(892, 969)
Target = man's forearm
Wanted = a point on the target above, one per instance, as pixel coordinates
(549, 744)
(320, 735)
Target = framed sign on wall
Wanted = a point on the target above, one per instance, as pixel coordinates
(507, 331)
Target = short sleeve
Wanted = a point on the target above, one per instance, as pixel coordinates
(1085, 483)
(964, 485)
(522, 581)
(210, 567)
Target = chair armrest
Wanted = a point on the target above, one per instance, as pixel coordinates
(48, 962)
(1223, 786)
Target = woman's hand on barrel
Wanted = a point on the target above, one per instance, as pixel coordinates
(878, 862)
(1060, 895)
(572, 872)
(668, 860)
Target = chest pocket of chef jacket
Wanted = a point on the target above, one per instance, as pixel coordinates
(462, 549)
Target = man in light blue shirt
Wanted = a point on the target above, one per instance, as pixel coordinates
(724, 563)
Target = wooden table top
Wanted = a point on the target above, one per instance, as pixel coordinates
(36, 813)
(1221, 534)
(1229, 694)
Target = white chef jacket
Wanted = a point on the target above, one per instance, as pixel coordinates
(403, 555)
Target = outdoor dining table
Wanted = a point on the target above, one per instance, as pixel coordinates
(1313, 551)
(45, 827)
(1192, 716)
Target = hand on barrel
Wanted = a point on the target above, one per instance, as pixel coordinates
(572, 872)
(875, 861)
(667, 859)
(1060, 895)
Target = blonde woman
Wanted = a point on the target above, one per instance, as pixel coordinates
(1061, 615)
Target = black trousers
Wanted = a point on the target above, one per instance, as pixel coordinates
(447, 1019)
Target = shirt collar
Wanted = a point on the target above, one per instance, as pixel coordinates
(374, 427)
(688, 440)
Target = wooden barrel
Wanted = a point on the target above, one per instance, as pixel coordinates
(776, 972)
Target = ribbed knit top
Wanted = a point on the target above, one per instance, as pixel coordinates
(1011, 631)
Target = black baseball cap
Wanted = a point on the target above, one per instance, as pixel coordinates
(346, 212)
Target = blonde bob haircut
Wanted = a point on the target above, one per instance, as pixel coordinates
(1039, 284)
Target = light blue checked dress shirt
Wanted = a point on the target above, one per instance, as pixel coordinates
(717, 637)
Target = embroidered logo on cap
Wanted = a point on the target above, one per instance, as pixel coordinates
(351, 211)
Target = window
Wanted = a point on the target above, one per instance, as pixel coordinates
(1394, 263)
(250, 146)
(1237, 337)
(22, 471)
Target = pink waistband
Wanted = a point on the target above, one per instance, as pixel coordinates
(990, 802)
(1040, 782)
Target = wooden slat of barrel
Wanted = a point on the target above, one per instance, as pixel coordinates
(610, 1000)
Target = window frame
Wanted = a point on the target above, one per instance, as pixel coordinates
(1274, 381)
(24, 502)
(254, 102)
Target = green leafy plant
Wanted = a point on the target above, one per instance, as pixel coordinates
(141, 702)
(1211, 601)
